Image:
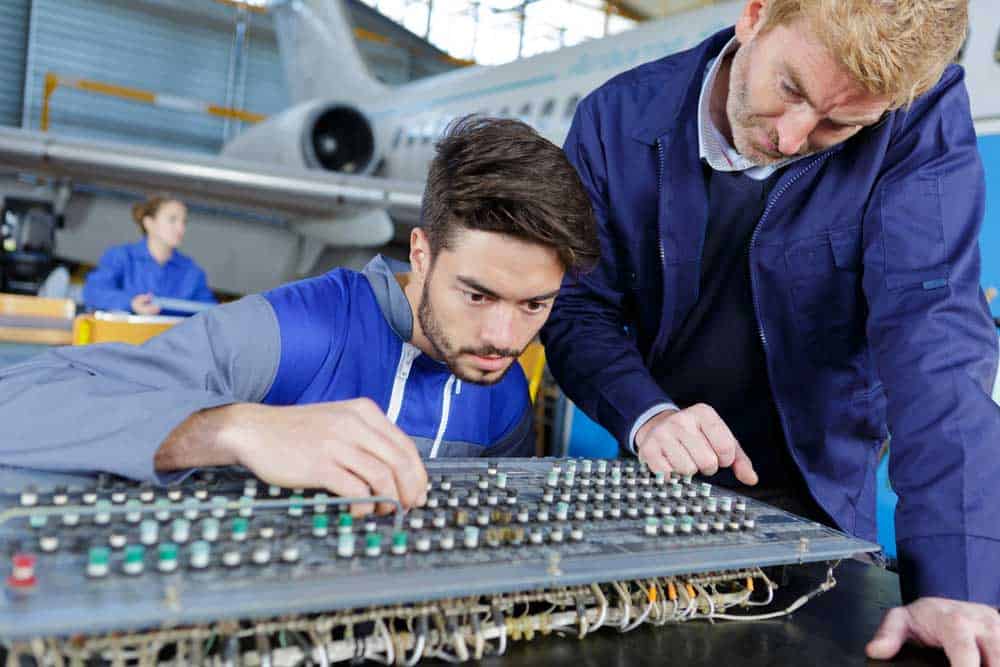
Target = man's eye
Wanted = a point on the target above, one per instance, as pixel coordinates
(536, 306)
(789, 91)
(475, 297)
(839, 127)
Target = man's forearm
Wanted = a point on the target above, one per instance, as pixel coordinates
(206, 438)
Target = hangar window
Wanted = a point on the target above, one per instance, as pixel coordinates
(398, 138)
(548, 107)
(996, 51)
(525, 111)
(571, 106)
(504, 112)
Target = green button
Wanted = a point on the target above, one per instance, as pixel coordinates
(320, 522)
(168, 551)
(38, 520)
(399, 538)
(373, 540)
(345, 520)
(134, 553)
(99, 555)
(239, 526)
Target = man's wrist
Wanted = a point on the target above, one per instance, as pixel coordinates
(231, 430)
(214, 437)
(643, 419)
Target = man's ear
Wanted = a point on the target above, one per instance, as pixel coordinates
(420, 253)
(750, 21)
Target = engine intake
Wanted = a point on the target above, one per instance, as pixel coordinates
(339, 139)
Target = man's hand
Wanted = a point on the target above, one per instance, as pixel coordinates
(348, 447)
(692, 440)
(968, 632)
(142, 304)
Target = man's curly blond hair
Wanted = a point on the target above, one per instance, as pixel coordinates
(897, 48)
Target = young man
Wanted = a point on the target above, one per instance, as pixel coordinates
(789, 219)
(344, 381)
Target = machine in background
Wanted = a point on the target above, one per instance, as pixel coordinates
(27, 243)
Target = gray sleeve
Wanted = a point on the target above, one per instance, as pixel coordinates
(109, 407)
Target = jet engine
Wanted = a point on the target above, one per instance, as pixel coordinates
(321, 134)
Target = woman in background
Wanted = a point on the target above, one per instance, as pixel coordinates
(129, 277)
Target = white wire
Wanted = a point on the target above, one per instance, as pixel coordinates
(770, 595)
(822, 588)
(626, 603)
(604, 607)
(639, 621)
(480, 645)
(502, 648)
(711, 602)
(692, 606)
(461, 649)
(418, 651)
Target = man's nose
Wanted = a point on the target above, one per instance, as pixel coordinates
(498, 328)
(794, 129)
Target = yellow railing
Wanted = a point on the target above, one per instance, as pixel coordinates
(54, 81)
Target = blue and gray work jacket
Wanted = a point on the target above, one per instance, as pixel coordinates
(340, 336)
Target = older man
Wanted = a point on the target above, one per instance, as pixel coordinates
(789, 215)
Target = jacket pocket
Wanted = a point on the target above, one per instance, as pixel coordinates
(824, 277)
(913, 234)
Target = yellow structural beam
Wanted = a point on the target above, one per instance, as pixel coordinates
(54, 81)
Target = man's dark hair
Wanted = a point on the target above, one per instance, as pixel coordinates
(499, 175)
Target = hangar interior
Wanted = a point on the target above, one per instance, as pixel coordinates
(252, 121)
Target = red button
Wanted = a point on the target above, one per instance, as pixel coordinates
(23, 571)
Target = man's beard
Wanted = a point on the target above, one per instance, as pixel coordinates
(446, 350)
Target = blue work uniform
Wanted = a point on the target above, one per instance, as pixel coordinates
(340, 336)
(129, 270)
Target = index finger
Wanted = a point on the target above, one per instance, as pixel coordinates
(720, 439)
(378, 422)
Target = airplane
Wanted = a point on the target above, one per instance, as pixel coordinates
(347, 168)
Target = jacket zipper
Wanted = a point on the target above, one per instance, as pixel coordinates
(406, 357)
(654, 348)
(756, 303)
(445, 412)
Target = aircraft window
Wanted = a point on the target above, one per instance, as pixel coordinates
(548, 107)
(398, 138)
(411, 138)
(525, 111)
(571, 106)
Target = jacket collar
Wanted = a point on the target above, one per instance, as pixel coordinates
(662, 111)
(140, 250)
(381, 274)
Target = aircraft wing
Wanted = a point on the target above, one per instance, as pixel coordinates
(239, 183)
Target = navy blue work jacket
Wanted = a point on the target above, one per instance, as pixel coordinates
(865, 275)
